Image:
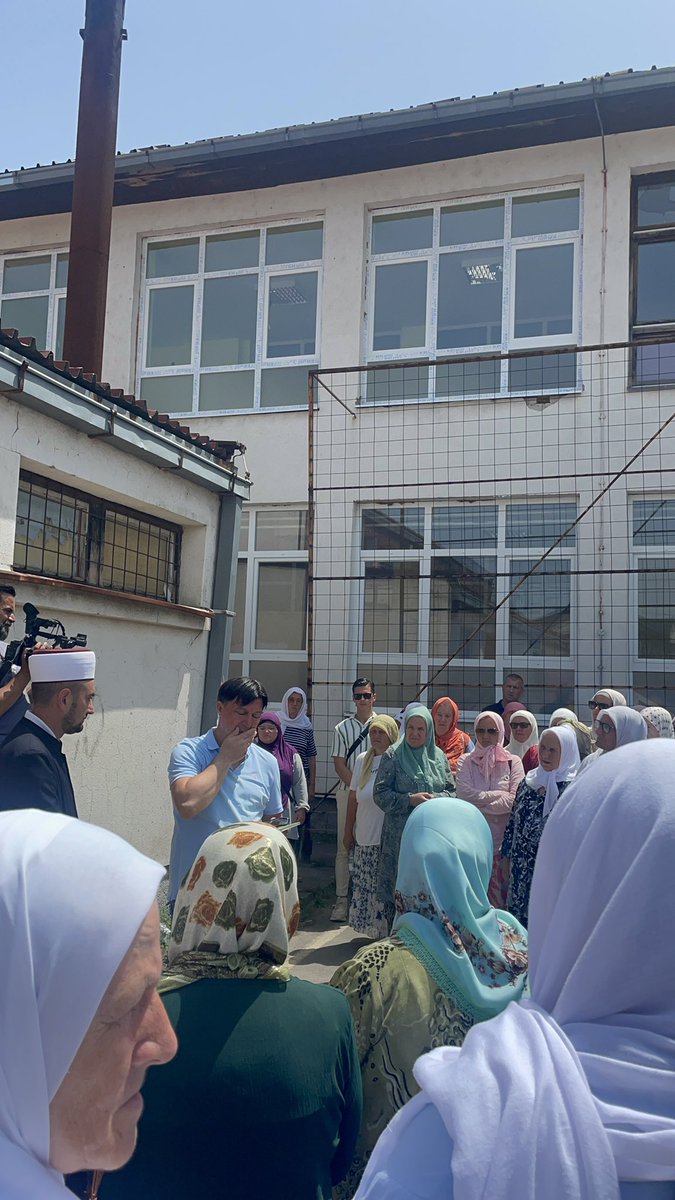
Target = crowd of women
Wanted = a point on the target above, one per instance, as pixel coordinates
(509, 1032)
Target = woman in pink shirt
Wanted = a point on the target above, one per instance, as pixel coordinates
(489, 777)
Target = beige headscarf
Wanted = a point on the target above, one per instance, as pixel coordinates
(237, 909)
(390, 727)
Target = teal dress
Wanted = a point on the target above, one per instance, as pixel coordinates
(263, 1098)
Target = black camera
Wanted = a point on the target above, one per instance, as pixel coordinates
(38, 629)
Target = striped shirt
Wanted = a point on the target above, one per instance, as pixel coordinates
(344, 737)
(303, 741)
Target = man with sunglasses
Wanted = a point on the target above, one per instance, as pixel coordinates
(349, 739)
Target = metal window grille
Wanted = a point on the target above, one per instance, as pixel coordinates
(70, 535)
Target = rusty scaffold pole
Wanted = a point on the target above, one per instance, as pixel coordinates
(93, 181)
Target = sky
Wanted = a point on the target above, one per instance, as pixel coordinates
(208, 68)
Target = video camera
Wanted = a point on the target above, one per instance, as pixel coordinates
(38, 629)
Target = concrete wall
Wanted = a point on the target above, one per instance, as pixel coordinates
(150, 657)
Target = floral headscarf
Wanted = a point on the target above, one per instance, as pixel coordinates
(237, 908)
(454, 743)
(661, 719)
(475, 953)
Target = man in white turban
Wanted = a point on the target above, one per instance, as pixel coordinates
(33, 768)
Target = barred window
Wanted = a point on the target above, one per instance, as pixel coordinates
(70, 535)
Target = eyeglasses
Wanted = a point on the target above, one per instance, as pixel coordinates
(490, 731)
(520, 725)
(363, 695)
(605, 726)
(597, 704)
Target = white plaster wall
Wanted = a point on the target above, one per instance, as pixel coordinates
(150, 657)
(277, 442)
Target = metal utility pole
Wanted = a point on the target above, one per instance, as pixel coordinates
(93, 184)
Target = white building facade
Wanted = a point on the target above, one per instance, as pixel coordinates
(530, 221)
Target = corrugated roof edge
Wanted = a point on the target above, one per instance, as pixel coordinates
(615, 81)
(224, 452)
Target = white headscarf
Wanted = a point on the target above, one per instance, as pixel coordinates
(62, 940)
(567, 768)
(567, 1093)
(302, 721)
(630, 725)
(617, 698)
(520, 749)
(661, 719)
(562, 714)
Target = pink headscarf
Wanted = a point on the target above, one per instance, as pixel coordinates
(485, 758)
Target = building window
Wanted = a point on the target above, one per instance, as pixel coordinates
(654, 596)
(432, 576)
(269, 633)
(70, 535)
(653, 278)
(229, 321)
(33, 297)
(461, 279)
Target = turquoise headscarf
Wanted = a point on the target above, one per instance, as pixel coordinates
(427, 765)
(475, 953)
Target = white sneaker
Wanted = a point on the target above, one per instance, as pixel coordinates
(340, 912)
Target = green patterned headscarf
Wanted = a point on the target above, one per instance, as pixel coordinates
(236, 910)
(474, 952)
(426, 764)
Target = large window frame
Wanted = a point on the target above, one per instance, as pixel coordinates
(424, 656)
(246, 653)
(652, 366)
(96, 547)
(511, 246)
(642, 553)
(54, 292)
(263, 272)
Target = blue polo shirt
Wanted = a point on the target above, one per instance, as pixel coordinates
(250, 792)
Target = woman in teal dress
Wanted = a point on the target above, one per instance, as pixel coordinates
(409, 774)
(452, 960)
(263, 1098)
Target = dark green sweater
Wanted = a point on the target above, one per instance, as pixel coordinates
(263, 1098)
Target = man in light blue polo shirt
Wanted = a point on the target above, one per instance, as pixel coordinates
(221, 778)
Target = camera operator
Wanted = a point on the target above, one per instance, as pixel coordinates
(13, 703)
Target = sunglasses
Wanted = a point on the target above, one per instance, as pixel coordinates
(520, 725)
(490, 731)
(363, 695)
(597, 704)
(605, 726)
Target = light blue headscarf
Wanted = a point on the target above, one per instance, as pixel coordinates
(427, 765)
(475, 953)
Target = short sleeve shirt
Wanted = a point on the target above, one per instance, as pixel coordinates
(249, 792)
(344, 736)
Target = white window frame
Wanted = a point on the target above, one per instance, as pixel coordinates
(432, 256)
(638, 555)
(53, 293)
(503, 556)
(263, 272)
(250, 654)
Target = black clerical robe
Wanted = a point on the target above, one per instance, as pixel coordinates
(34, 771)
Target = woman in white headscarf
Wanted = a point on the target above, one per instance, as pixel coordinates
(75, 969)
(557, 766)
(614, 727)
(567, 1095)
(524, 735)
(659, 722)
(298, 731)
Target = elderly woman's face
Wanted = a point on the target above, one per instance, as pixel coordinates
(267, 733)
(94, 1114)
(294, 704)
(605, 733)
(378, 739)
(443, 719)
(487, 733)
(549, 751)
(521, 728)
(416, 732)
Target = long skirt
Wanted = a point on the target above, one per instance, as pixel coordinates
(499, 881)
(365, 911)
